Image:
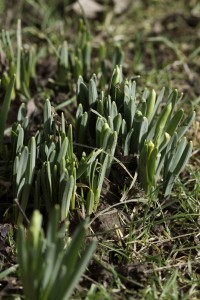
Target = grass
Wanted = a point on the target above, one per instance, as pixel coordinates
(147, 246)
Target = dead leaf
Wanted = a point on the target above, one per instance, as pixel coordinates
(4, 229)
(91, 8)
(120, 6)
(31, 107)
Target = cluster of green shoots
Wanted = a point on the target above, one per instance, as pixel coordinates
(148, 127)
(72, 61)
(47, 170)
(51, 265)
(66, 165)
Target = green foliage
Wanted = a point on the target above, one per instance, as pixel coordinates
(149, 128)
(113, 120)
(22, 63)
(51, 265)
(76, 61)
(49, 170)
(65, 160)
(5, 109)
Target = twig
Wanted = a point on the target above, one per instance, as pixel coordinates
(21, 211)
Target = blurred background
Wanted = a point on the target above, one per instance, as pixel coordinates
(158, 40)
